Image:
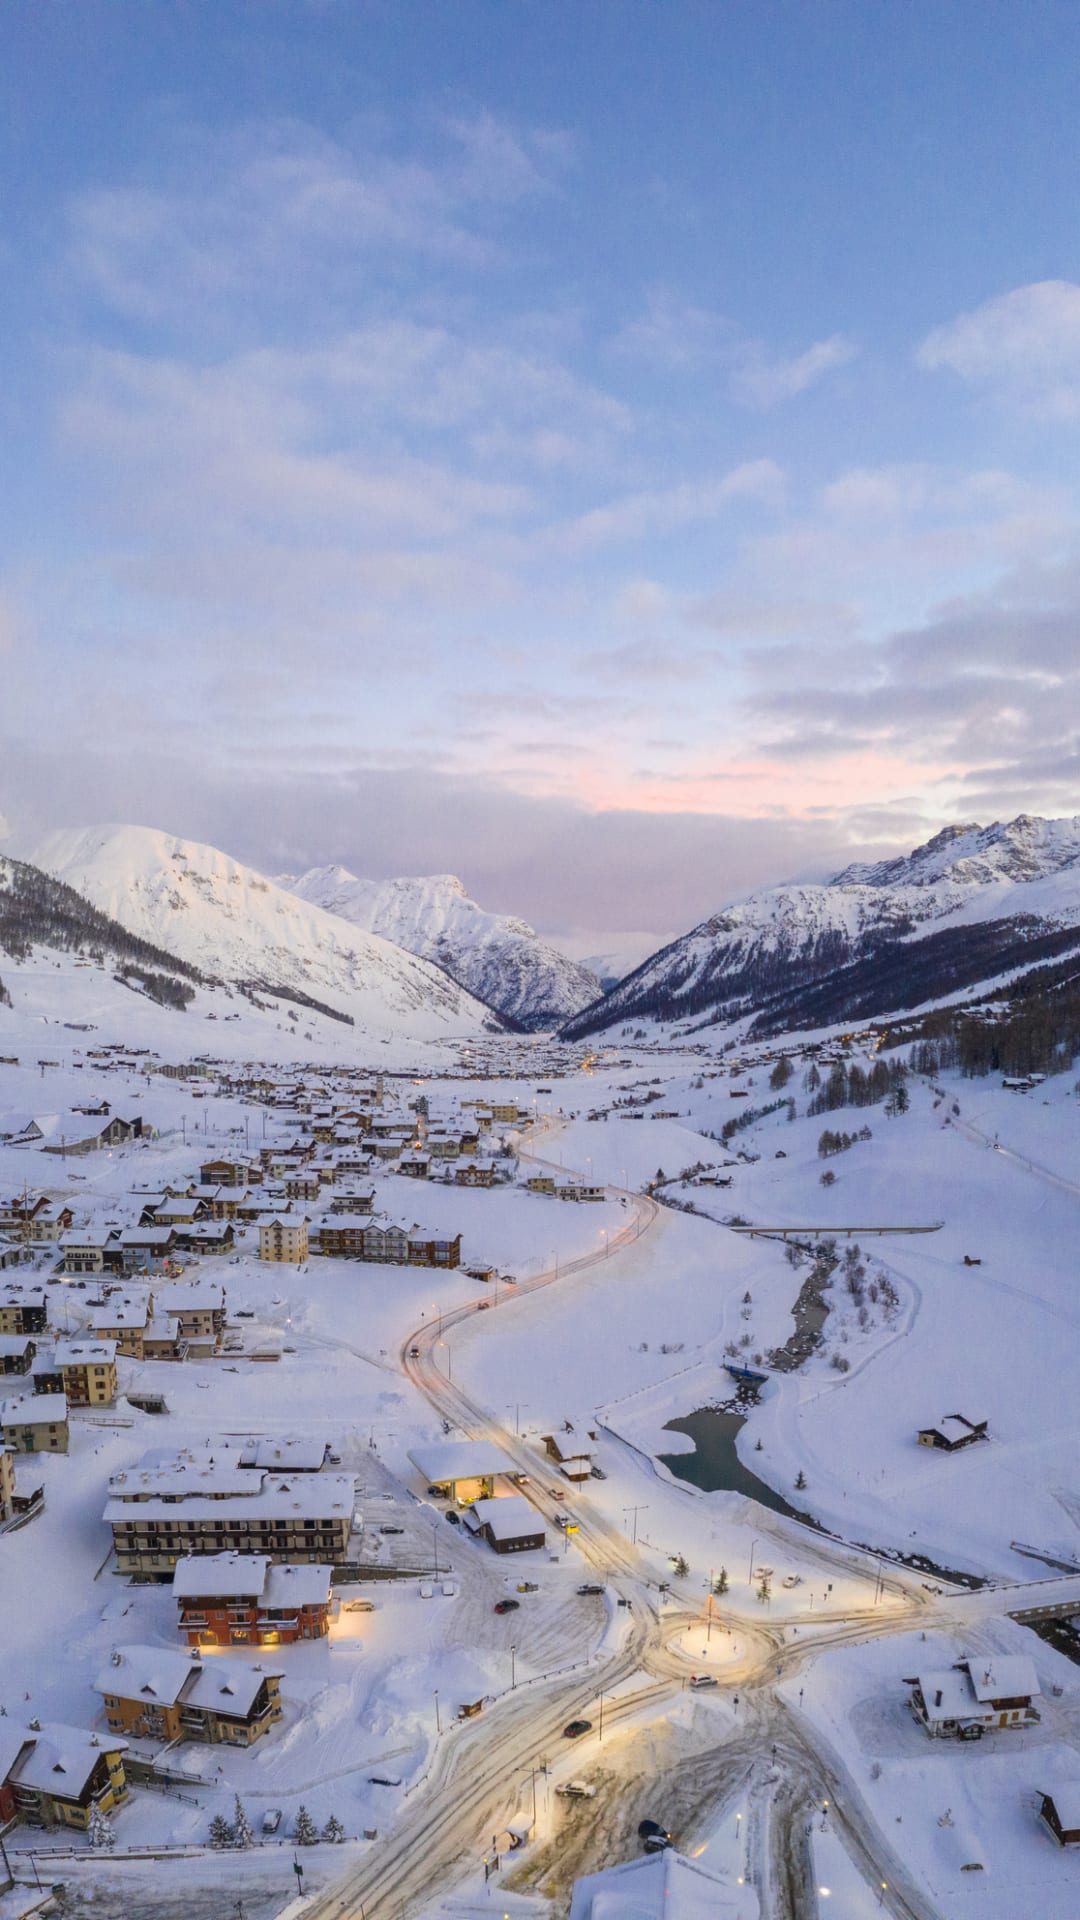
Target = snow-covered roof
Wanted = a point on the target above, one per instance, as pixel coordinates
(62, 1759)
(659, 1886)
(33, 1410)
(508, 1518)
(158, 1675)
(199, 1576)
(297, 1586)
(293, 1220)
(86, 1237)
(84, 1353)
(1002, 1676)
(1066, 1801)
(181, 1481)
(948, 1694)
(295, 1455)
(121, 1312)
(147, 1236)
(322, 1496)
(202, 1297)
(14, 1345)
(461, 1460)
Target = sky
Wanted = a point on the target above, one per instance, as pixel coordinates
(622, 454)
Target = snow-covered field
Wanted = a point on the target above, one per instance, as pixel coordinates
(626, 1338)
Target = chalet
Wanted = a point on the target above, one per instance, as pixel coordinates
(953, 1433)
(428, 1250)
(52, 1776)
(147, 1249)
(353, 1200)
(206, 1237)
(574, 1462)
(385, 1243)
(196, 1313)
(90, 1249)
(161, 1340)
(156, 1694)
(302, 1186)
(23, 1309)
(228, 1173)
(244, 1599)
(1060, 1811)
(124, 1318)
(176, 1210)
(159, 1515)
(540, 1183)
(976, 1696)
(415, 1165)
(283, 1237)
(17, 1352)
(509, 1525)
(341, 1237)
(83, 1370)
(35, 1423)
(474, 1173)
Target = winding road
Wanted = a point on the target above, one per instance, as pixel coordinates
(473, 1784)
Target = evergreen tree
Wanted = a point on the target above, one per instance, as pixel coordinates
(221, 1833)
(100, 1830)
(333, 1830)
(720, 1584)
(242, 1834)
(781, 1073)
(305, 1831)
(800, 1480)
(764, 1592)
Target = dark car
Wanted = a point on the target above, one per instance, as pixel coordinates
(598, 1473)
(454, 1518)
(414, 1353)
(575, 1728)
(590, 1587)
(439, 1493)
(507, 1606)
(655, 1837)
(391, 1529)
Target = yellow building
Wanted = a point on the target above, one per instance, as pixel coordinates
(283, 1237)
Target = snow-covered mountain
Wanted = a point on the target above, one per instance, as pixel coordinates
(971, 905)
(498, 958)
(234, 925)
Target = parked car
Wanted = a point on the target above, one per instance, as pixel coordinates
(439, 1493)
(597, 1473)
(699, 1680)
(358, 1606)
(454, 1518)
(507, 1606)
(654, 1836)
(391, 1529)
(575, 1728)
(271, 1820)
(590, 1586)
(528, 1586)
(577, 1790)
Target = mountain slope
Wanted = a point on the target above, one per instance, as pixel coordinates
(38, 911)
(970, 905)
(499, 959)
(230, 923)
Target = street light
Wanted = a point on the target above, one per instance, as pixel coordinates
(513, 1668)
(438, 1722)
(750, 1575)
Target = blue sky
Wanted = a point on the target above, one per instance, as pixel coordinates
(620, 453)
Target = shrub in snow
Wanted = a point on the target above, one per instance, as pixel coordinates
(333, 1830)
(305, 1831)
(242, 1834)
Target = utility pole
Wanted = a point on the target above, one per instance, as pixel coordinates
(635, 1511)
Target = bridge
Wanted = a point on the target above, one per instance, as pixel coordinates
(820, 1232)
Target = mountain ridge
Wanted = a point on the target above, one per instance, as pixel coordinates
(232, 924)
(498, 957)
(806, 953)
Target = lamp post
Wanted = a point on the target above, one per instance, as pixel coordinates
(750, 1575)
(513, 1668)
(438, 1722)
